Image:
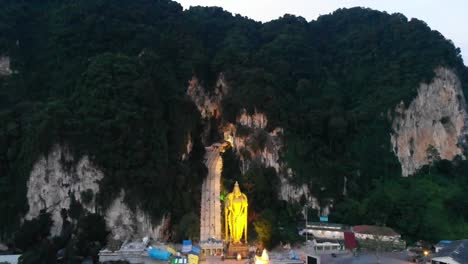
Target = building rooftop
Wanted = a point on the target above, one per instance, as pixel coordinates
(133, 246)
(12, 259)
(457, 250)
(374, 230)
(326, 226)
(443, 243)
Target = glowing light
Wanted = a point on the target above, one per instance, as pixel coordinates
(239, 256)
(264, 259)
(426, 252)
(236, 216)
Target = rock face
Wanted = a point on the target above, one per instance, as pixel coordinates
(208, 105)
(437, 117)
(52, 184)
(249, 136)
(57, 177)
(256, 120)
(256, 145)
(5, 66)
(127, 224)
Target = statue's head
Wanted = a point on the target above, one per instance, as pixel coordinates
(236, 190)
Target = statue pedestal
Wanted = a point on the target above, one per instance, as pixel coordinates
(238, 248)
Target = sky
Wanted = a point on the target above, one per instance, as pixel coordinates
(449, 17)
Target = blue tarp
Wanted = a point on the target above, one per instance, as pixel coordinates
(195, 250)
(445, 242)
(186, 246)
(293, 255)
(159, 254)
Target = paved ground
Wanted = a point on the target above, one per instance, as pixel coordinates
(217, 260)
(367, 258)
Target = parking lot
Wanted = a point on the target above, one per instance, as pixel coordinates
(367, 258)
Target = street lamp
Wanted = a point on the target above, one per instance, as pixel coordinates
(426, 253)
(307, 231)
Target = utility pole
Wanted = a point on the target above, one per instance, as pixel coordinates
(307, 231)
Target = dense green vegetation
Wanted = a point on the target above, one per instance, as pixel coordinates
(107, 78)
(82, 236)
(79, 86)
(429, 206)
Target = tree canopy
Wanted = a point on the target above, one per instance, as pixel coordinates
(107, 78)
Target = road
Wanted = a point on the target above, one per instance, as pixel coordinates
(210, 223)
(367, 258)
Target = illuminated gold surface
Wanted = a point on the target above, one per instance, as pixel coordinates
(264, 259)
(236, 216)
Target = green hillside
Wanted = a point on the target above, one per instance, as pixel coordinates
(107, 78)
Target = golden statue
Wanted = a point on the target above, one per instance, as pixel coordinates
(235, 211)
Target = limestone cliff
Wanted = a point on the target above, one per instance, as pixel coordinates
(5, 66)
(58, 177)
(250, 137)
(254, 143)
(437, 117)
(54, 180)
(125, 223)
(208, 104)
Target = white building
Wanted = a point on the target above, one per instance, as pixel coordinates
(325, 231)
(321, 247)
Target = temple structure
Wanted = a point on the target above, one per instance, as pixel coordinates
(235, 212)
(210, 221)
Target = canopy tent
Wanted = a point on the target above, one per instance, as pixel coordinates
(159, 254)
(186, 246)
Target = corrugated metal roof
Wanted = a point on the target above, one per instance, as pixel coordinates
(457, 250)
(12, 259)
(375, 230)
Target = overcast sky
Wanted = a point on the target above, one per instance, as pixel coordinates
(450, 17)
